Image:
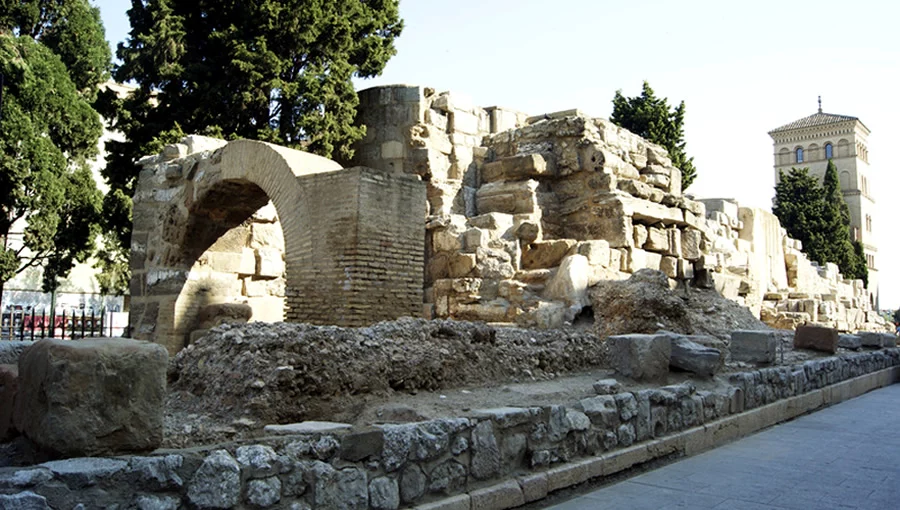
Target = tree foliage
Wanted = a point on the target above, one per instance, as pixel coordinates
(272, 70)
(651, 117)
(71, 29)
(48, 132)
(819, 217)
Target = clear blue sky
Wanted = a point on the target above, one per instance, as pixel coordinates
(742, 70)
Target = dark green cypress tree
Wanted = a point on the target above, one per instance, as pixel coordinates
(650, 117)
(819, 217)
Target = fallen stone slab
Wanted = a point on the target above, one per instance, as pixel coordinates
(99, 396)
(817, 338)
(306, 427)
(754, 346)
(848, 341)
(640, 357)
(877, 340)
(9, 384)
(693, 357)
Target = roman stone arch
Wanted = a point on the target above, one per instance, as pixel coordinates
(207, 215)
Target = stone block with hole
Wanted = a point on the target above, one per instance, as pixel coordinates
(98, 396)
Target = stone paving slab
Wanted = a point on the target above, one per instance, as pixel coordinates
(844, 457)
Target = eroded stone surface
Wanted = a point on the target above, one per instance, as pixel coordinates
(93, 396)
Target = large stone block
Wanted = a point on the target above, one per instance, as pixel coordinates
(516, 168)
(9, 384)
(869, 339)
(641, 357)
(507, 197)
(101, 396)
(817, 338)
(570, 282)
(754, 346)
(546, 254)
(694, 357)
(849, 341)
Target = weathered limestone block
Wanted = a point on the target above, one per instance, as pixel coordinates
(669, 266)
(754, 346)
(507, 197)
(266, 235)
(674, 248)
(635, 188)
(461, 264)
(570, 283)
(657, 240)
(596, 252)
(517, 168)
(605, 217)
(100, 396)
(694, 357)
(269, 262)
(9, 386)
(641, 357)
(817, 338)
(210, 316)
(640, 236)
(690, 244)
(546, 254)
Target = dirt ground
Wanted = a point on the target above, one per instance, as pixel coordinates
(193, 419)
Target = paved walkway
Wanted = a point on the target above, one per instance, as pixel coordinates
(846, 456)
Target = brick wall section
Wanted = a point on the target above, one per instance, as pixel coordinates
(360, 260)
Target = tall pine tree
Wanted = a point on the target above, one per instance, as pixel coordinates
(650, 117)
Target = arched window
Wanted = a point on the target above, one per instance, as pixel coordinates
(799, 153)
(829, 150)
(784, 156)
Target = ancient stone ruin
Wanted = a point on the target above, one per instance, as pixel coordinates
(523, 215)
(456, 254)
(293, 235)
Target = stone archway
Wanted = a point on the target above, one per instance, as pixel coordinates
(337, 225)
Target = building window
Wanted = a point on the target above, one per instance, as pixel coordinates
(829, 151)
(799, 154)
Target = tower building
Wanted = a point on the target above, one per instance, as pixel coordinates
(810, 142)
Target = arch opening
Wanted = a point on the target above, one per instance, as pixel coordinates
(234, 252)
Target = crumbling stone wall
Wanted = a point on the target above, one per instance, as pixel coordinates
(525, 213)
(487, 458)
(207, 230)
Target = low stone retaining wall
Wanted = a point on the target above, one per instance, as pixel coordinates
(489, 459)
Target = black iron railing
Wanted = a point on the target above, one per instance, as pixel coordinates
(30, 325)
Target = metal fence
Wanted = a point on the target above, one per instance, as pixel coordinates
(30, 325)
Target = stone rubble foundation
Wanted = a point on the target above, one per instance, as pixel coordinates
(486, 459)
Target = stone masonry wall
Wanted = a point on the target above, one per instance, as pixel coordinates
(486, 459)
(289, 233)
(525, 213)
